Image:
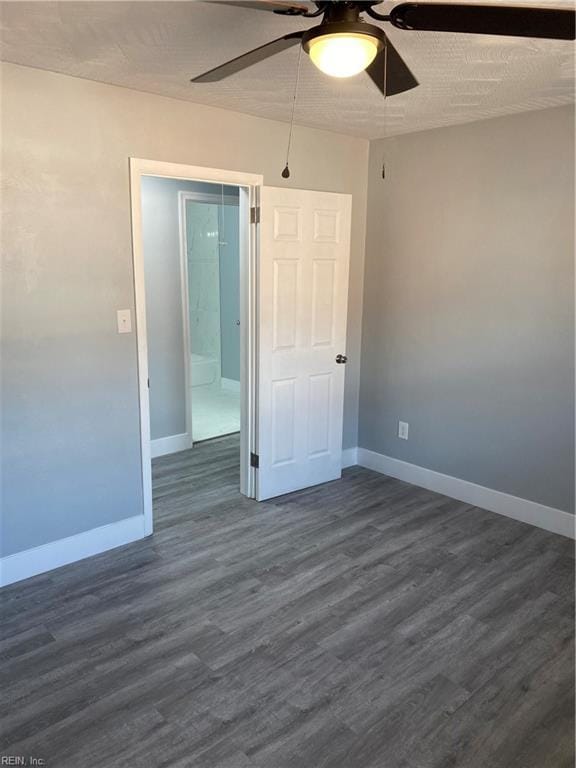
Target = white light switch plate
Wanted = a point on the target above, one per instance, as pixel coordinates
(124, 317)
(403, 427)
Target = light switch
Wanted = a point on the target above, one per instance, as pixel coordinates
(124, 317)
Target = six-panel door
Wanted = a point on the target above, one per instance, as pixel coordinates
(303, 292)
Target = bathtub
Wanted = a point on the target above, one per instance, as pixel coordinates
(203, 370)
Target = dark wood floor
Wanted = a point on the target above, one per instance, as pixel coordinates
(361, 624)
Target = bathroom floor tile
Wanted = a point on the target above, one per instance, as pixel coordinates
(215, 412)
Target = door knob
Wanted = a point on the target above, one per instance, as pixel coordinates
(341, 359)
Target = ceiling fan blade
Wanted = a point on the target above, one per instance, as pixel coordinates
(390, 72)
(248, 59)
(551, 23)
(276, 6)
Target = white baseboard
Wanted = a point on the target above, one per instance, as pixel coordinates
(46, 557)
(230, 384)
(349, 457)
(554, 520)
(162, 446)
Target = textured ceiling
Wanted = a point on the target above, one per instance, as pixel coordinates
(157, 46)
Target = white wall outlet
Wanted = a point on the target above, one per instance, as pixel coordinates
(403, 427)
(124, 318)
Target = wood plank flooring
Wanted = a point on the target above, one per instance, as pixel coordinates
(361, 624)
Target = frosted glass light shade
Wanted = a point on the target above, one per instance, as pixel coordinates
(343, 55)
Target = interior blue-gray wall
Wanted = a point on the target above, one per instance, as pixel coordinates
(468, 328)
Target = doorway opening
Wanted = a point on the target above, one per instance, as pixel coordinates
(294, 248)
(194, 246)
(191, 251)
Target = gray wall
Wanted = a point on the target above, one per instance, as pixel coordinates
(468, 327)
(70, 430)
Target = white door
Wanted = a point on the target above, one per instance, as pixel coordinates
(303, 293)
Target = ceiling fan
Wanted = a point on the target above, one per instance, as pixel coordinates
(344, 44)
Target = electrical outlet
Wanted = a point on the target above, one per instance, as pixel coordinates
(403, 427)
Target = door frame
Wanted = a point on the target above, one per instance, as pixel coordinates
(197, 197)
(252, 184)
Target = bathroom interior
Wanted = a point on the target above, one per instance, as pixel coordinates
(192, 274)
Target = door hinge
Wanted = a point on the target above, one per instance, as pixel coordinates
(148, 383)
(255, 215)
(254, 460)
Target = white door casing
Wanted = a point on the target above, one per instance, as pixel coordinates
(303, 294)
(249, 185)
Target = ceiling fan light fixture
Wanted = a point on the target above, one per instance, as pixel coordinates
(343, 55)
(343, 49)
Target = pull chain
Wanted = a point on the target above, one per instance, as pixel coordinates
(385, 70)
(385, 94)
(286, 171)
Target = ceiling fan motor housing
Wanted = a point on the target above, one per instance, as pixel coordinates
(343, 18)
(343, 28)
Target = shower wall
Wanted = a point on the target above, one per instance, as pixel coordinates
(212, 242)
(230, 292)
(203, 254)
